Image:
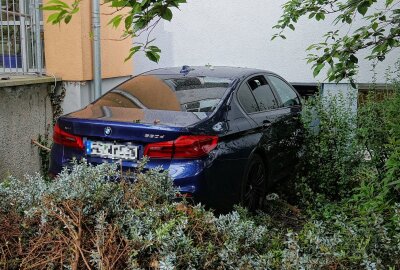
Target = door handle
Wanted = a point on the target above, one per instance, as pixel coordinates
(266, 123)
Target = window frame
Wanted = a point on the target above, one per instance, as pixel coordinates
(245, 81)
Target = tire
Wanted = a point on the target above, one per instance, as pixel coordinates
(254, 183)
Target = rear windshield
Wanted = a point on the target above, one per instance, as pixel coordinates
(187, 94)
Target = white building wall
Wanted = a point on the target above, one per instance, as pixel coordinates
(238, 33)
(80, 94)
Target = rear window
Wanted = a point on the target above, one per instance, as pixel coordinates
(188, 94)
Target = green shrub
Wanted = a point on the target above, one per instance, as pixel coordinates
(331, 151)
(82, 220)
(347, 241)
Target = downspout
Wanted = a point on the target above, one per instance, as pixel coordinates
(96, 48)
(38, 41)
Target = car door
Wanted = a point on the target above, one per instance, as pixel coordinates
(289, 124)
(260, 103)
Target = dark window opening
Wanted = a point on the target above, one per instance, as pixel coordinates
(285, 92)
(263, 93)
(306, 90)
(246, 99)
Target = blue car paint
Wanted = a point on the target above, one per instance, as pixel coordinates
(214, 179)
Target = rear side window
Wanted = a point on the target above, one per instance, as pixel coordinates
(157, 92)
(262, 92)
(287, 95)
(246, 99)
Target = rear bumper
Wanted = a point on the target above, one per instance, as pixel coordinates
(188, 175)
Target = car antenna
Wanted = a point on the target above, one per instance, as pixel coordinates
(186, 69)
(210, 66)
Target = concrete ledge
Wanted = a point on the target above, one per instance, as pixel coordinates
(11, 80)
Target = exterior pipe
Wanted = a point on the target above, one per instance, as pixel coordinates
(96, 48)
(38, 41)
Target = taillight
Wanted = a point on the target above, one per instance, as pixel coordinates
(183, 147)
(159, 150)
(66, 139)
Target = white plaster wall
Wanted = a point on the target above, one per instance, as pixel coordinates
(342, 90)
(238, 33)
(80, 94)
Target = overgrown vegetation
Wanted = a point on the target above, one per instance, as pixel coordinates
(347, 191)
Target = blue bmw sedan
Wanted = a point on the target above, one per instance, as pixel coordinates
(225, 134)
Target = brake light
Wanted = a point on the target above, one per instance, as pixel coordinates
(66, 139)
(159, 150)
(194, 146)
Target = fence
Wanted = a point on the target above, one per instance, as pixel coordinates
(21, 37)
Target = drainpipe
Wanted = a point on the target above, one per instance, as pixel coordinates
(96, 48)
(38, 38)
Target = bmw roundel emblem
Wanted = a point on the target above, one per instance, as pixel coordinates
(107, 131)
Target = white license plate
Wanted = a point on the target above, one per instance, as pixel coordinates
(112, 150)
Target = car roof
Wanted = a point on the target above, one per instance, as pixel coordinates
(208, 71)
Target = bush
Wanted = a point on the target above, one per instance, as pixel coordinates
(347, 241)
(331, 150)
(82, 220)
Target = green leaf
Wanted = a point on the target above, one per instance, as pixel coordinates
(375, 26)
(167, 14)
(128, 22)
(363, 7)
(118, 4)
(75, 10)
(154, 49)
(320, 16)
(132, 51)
(58, 2)
(153, 56)
(379, 48)
(51, 8)
(52, 18)
(353, 84)
(318, 69)
(353, 59)
(67, 19)
(144, 3)
(116, 21)
(388, 2)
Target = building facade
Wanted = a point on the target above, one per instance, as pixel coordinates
(69, 55)
(29, 46)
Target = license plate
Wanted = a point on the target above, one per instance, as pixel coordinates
(111, 150)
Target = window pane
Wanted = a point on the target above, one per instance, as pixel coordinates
(246, 99)
(263, 93)
(285, 92)
(157, 92)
